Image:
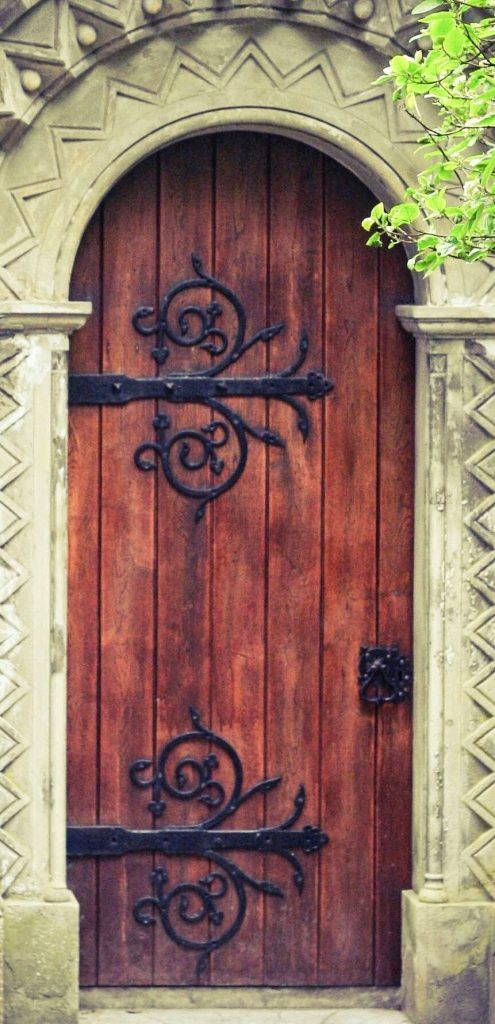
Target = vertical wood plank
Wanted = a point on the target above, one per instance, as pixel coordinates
(348, 738)
(184, 561)
(238, 596)
(292, 701)
(396, 522)
(83, 595)
(127, 559)
(202, 615)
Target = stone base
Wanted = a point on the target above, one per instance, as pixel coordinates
(446, 956)
(41, 961)
(204, 999)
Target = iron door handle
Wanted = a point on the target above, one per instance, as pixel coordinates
(384, 675)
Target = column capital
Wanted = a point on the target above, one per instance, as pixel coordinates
(33, 317)
(448, 322)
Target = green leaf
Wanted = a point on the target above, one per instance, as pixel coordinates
(403, 213)
(456, 136)
(427, 242)
(402, 64)
(439, 25)
(488, 121)
(377, 212)
(455, 42)
(436, 202)
(428, 262)
(488, 170)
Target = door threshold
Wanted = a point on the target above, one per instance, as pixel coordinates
(135, 999)
(244, 1016)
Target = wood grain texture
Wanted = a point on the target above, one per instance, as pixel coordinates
(254, 616)
(293, 698)
(183, 548)
(84, 596)
(238, 571)
(127, 575)
(348, 728)
(395, 592)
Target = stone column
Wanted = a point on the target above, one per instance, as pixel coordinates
(40, 916)
(448, 918)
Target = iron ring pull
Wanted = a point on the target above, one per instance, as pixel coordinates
(384, 675)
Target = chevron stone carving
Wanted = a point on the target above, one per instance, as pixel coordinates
(324, 74)
(13, 576)
(46, 44)
(480, 743)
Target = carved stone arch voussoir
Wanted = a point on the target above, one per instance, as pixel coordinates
(46, 44)
(298, 80)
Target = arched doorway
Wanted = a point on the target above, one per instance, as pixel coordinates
(254, 616)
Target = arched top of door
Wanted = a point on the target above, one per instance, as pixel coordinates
(90, 94)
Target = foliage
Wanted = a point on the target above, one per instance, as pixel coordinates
(451, 209)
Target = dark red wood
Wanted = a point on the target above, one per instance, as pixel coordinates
(238, 570)
(183, 550)
(84, 596)
(350, 482)
(254, 616)
(294, 544)
(395, 590)
(127, 575)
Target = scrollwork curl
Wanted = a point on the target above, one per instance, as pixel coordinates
(209, 439)
(197, 325)
(183, 774)
(200, 785)
(182, 896)
(193, 449)
(206, 893)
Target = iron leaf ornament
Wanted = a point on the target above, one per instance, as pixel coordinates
(190, 777)
(184, 453)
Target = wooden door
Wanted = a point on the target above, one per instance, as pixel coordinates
(255, 615)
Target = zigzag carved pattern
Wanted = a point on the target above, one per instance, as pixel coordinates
(13, 575)
(45, 38)
(178, 63)
(480, 855)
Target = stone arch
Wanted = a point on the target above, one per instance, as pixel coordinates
(94, 110)
(317, 86)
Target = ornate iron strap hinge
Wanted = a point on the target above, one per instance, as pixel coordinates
(193, 450)
(189, 903)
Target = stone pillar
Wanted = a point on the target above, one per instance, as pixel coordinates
(448, 918)
(40, 916)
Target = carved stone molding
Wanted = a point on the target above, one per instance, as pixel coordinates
(42, 317)
(14, 574)
(480, 685)
(46, 44)
(459, 493)
(294, 78)
(26, 355)
(274, 73)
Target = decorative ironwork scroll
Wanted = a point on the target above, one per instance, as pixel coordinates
(182, 907)
(196, 326)
(385, 675)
